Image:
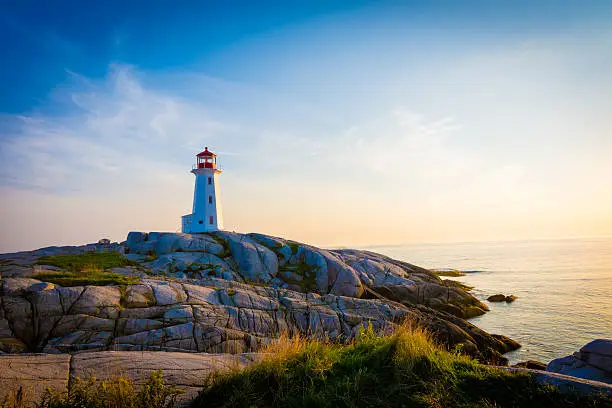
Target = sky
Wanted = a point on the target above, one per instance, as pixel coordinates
(344, 123)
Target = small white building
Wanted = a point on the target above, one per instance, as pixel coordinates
(206, 215)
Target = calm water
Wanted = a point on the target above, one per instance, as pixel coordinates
(564, 289)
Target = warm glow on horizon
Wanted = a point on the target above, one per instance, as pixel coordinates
(344, 127)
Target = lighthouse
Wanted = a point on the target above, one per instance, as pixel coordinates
(206, 215)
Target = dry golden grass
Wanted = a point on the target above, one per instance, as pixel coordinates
(404, 368)
(116, 392)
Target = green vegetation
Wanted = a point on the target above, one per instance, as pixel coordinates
(274, 248)
(113, 393)
(223, 242)
(294, 247)
(404, 369)
(89, 276)
(85, 269)
(151, 256)
(456, 284)
(307, 273)
(451, 273)
(102, 260)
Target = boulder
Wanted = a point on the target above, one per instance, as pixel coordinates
(198, 243)
(255, 261)
(32, 309)
(599, 346)
(167, 293)
(201, 295)
(593, 362)
(99, 301)
(497, 298)
(139, 296)
(531, 364)
(501, 298)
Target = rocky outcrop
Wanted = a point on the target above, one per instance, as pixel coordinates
(258, 258)
(593, 362)
(213, 316)
(230, 292)
(277, 262)
(501, 298)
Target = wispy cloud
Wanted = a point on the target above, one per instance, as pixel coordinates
(109, 129)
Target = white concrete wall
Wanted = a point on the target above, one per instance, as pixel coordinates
(202, 208)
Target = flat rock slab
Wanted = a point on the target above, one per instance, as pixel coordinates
(33, 374)
(37, 372)
(184, 370)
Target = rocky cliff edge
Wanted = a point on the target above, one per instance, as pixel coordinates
(230, 292)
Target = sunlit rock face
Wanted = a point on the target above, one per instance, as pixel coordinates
(231, 293)
(287, 264)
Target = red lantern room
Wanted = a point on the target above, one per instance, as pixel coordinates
(206, 160)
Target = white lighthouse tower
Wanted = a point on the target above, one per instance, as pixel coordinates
(206, 215)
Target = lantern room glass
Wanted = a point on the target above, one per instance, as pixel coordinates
(207, 162)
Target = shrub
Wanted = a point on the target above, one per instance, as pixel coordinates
(404, 369)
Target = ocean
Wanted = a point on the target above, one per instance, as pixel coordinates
(564, 289)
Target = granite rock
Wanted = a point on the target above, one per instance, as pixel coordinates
(226, 291)
(593, 362)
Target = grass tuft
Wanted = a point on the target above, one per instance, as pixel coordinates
(85, 269)
(102, 260)
(403, 369)
(89, 276)
(118, 392)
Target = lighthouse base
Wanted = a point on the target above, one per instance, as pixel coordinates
(189, 225)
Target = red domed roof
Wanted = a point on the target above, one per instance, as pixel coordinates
(205, 153)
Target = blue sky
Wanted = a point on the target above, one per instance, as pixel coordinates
(338, 123)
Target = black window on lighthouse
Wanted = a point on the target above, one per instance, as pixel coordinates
(210, 180)
(210, 220)
(209, 199)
